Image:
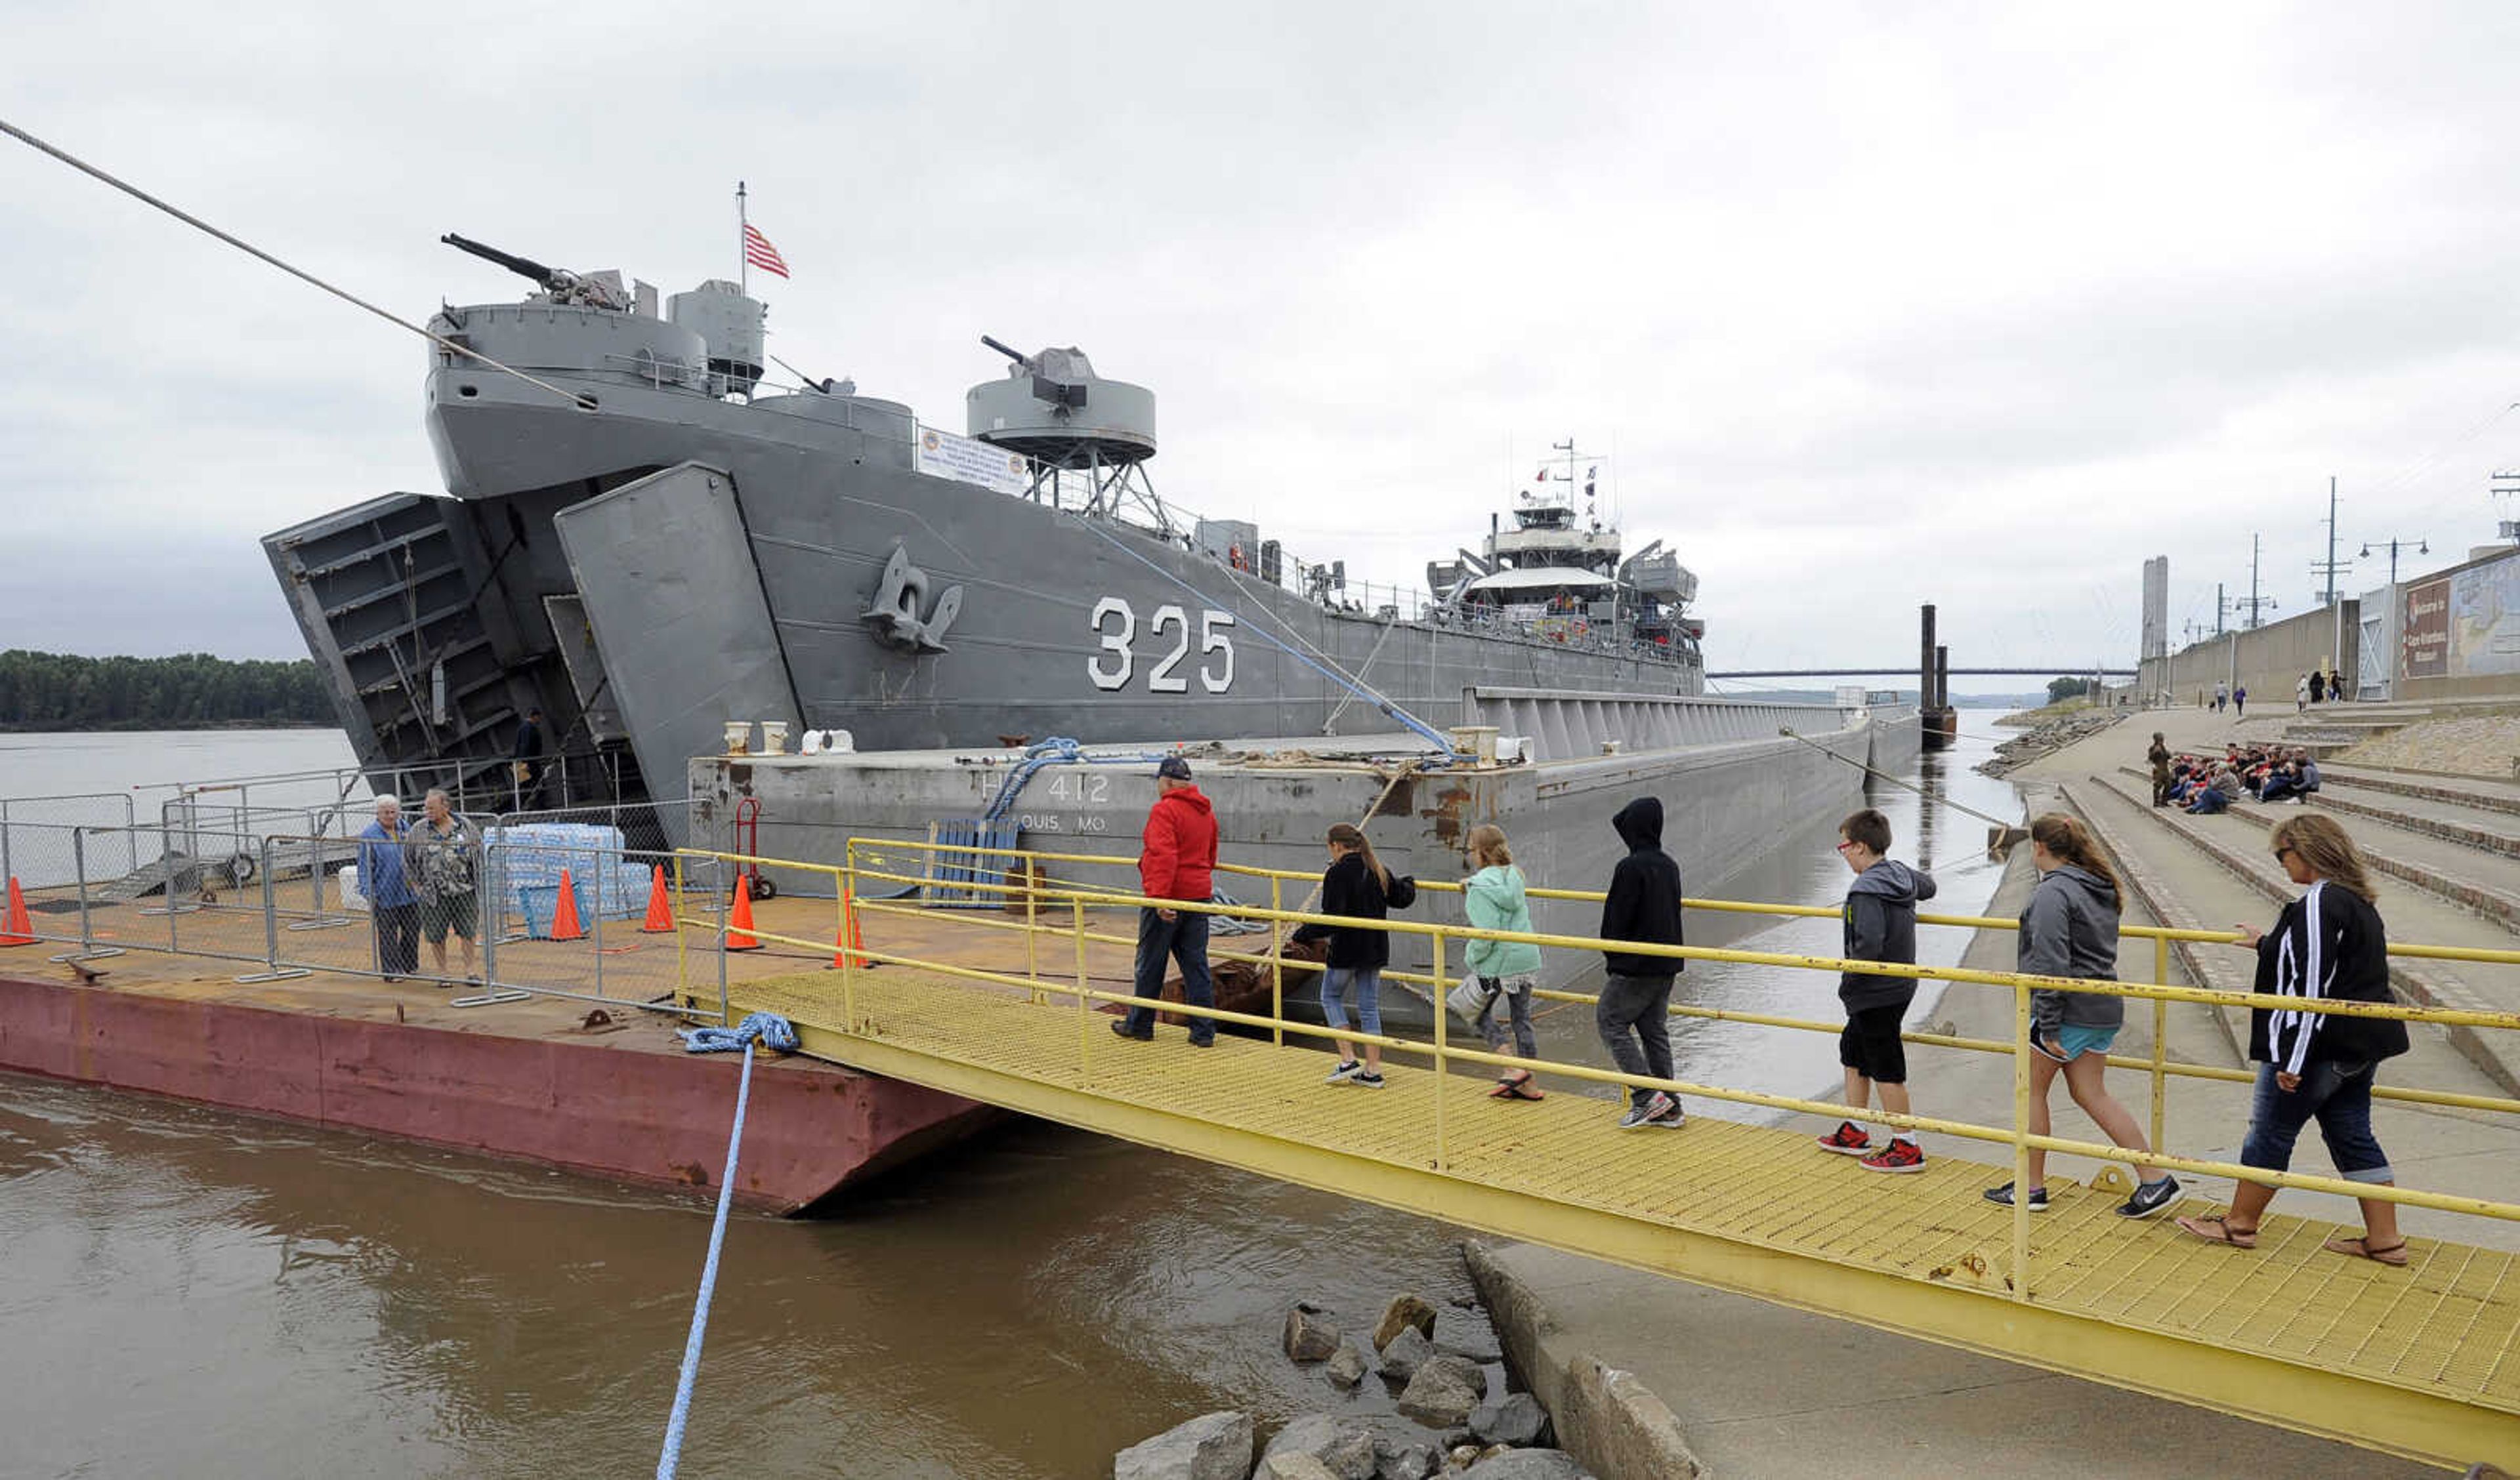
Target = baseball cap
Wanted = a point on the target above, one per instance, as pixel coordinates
(1175, 766)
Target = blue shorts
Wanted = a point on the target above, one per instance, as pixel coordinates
(2076, 1041)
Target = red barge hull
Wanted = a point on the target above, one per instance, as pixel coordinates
(524, 1082)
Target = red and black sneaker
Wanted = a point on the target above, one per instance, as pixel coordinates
(1846, 1140)
(1898, 1156)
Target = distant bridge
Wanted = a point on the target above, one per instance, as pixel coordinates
(2061, 670)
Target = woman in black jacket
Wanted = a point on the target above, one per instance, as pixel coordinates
(1357, 885)
(2329, 943)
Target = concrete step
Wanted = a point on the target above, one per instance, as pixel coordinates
(2318, 726)
(2485, 794)
(2456, 821)
(2219, 968)
(2238, 845)
(2440, 864)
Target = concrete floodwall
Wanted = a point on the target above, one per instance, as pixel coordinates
(2266, 660)
(2456, 632)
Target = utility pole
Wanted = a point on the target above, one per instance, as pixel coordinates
(2253, 582)
(2222, 604)
(2331, 567)
(2254, 604)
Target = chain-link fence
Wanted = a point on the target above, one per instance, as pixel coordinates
(647, 827)
(498, 912)
(34, 840)
(193, 891)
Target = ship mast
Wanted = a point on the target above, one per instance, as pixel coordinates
(1591, 462)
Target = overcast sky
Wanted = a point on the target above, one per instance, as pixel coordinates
(1862, 305)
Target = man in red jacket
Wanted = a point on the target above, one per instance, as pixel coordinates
(1174, 860)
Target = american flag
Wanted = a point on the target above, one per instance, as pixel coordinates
(758, 251)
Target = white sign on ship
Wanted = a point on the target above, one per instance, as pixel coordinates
(942, 454)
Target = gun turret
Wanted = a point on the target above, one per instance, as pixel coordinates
(523, 267)
(564, 285)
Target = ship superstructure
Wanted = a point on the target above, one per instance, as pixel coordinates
(1563, 577)
(643, 538)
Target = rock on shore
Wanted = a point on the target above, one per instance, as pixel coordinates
(1211, 1447)
(2055, 735)
(1438, 1364)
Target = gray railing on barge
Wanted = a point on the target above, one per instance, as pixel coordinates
(1563, 724)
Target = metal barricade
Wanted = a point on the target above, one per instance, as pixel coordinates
(644, 826)
(592, 919)
(506, 938)
(45, 865)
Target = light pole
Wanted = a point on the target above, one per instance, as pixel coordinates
(2421, 548)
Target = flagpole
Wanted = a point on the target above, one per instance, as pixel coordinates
(742, 258)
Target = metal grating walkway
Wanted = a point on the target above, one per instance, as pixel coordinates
(2419, 1360)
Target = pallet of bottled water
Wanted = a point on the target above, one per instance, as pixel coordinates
(532, 856)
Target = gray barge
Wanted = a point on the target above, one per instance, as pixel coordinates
(1730, 782)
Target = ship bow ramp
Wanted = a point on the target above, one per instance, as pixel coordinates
(681, 624)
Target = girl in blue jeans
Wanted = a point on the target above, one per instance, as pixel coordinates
(2329, 943)
(1357, 885)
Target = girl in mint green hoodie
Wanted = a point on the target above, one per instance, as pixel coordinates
(1509, 969)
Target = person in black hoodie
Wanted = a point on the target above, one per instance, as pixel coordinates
(1643, 906)
(1357, 885)
(2329, 943)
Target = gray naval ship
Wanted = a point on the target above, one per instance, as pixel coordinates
(645, 540)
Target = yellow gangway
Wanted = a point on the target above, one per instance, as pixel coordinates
(2417, 1361)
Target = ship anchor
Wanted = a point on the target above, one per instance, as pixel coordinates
(893, 613)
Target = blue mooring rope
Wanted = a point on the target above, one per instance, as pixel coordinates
(1058, 750)
(776, 1031)
(761, 1027)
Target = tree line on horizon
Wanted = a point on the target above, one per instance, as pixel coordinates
(58, 690)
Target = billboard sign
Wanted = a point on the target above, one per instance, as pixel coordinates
(2423, 630)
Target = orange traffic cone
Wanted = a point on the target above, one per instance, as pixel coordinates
(660, 909)
(738, 922)
(563, 924)
(849, 949)
(17, 929)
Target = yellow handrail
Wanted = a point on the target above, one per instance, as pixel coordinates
(2019, 1136)
(1689, 902)
(2109, 988)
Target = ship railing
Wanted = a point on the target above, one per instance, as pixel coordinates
(867, 858)
(290, 904)
(1060, 914)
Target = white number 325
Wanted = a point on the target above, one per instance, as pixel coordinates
(1115, 628)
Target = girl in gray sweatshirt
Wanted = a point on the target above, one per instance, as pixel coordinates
(2070, 928)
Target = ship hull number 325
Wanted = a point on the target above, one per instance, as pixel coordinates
(1168, 633)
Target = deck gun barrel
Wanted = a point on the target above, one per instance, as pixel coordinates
(523, 267)
(1016, 355)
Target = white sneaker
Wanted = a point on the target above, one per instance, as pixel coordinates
(1659, 1108)
(1340, 1075)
